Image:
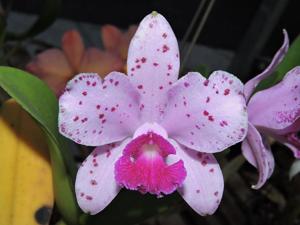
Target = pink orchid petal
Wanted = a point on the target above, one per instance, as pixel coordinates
(146, 127)
(102, 63)
(149, 175)
(290, 137)
(248, 153)
(293, 128)
(142, 166)
(258, 154)
(111, 37)
(251, 84)
(95, 113)
(73, 47)
(204, 184)
(153, 63)
(95, 184)
(277, 107)
(206, 115)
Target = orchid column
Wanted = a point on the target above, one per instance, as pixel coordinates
(154, 134)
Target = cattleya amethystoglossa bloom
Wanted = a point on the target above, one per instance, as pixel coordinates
(273, 112)
(154, 133)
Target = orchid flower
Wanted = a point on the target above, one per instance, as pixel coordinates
(152, 133)
(273, 112)
(56, 67)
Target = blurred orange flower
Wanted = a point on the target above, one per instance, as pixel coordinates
(57, 66)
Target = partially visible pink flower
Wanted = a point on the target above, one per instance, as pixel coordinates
(156, 134)
(56, 66)
(273, 112)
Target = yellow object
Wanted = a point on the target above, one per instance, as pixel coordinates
(26, 192)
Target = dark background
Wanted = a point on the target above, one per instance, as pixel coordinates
(225, 28)
(250, 28)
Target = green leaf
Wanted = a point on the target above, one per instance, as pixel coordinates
(33, 95)
(63, 186)
(291, 60)
(49, 13)
(295, 169)
(39, 101)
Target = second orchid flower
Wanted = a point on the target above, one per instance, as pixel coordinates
(275, 113)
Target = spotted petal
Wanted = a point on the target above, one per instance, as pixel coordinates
(204, 184)
(277, 107)
(251, 84)
(153, 62)
(207, 115)
(258, 153)
(95, 184)
(95, 113)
